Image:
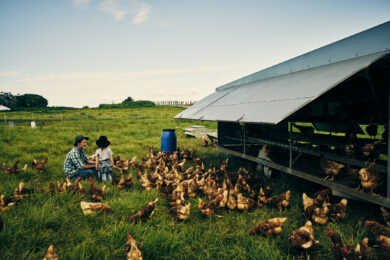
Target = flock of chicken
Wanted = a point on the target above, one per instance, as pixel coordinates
(35, 164)
(369, 178)
(166, 173)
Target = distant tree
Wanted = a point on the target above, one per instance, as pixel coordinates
(31, 100)
(128, 100)
(7, 99)
(85, 106)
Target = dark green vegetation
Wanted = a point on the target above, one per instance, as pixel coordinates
(129, 103)
(44, 219)
(22, 101)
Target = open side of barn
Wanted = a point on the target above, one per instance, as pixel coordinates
(302, 114)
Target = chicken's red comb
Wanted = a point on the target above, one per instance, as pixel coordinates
(366, 223)
(329, 232)
(345, 249)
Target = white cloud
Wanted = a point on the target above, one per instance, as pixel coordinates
(8, 73)
(81, 3)
(142, 14)
(120, 8)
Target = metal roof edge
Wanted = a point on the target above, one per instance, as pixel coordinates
(370, 41)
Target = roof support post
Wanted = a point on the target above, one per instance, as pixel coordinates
(243, 130)
(291, 159)
(388, 149)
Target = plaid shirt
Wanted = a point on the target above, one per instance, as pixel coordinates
(74, 161)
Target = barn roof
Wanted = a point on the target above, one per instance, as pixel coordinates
(272, 94)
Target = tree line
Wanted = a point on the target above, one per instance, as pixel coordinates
(129, 103)
(22, 101)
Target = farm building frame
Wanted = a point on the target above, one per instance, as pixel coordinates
(335, 90)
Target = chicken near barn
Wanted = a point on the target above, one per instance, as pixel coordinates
(14, 169)
(336, 245)
(21, 191)
(39, 165)
(371, 151)
(279, 201)
(303, 237)
(177, 199)
(96, 193)
(91, 208)
(78, 187)
(205, 142)
(132, 248)
(370, 178)
(350, 149)
(331, 168)
(359, 251)
(209, 208)
(385, 215)
(180, 212)
(377, 229)
(125, 182)
(320, 214)
(7, 202)
(51, 254)
(337, 210)
(321, 197)
(232, 201)
(144, 213)
(244, 203)
(341, 250)
(384, 242)
(271, 226)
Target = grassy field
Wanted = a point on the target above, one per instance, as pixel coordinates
(43, 219)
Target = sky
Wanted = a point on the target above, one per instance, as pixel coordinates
(88, 52)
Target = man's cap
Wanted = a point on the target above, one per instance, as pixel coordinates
(79, 138)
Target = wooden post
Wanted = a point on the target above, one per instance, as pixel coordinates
(290, 130)
(243, 127)
(5, 119)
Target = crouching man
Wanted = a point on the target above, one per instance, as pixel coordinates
(76, 163)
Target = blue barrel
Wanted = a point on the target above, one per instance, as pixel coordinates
(168, 140)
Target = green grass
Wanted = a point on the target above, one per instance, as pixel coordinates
(44, 219)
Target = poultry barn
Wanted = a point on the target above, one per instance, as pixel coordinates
(322, 116)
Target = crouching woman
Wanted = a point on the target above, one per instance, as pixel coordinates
(76, 162)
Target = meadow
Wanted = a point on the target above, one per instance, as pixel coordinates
(43, 219)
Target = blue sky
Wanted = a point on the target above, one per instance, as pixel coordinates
(87, 52)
